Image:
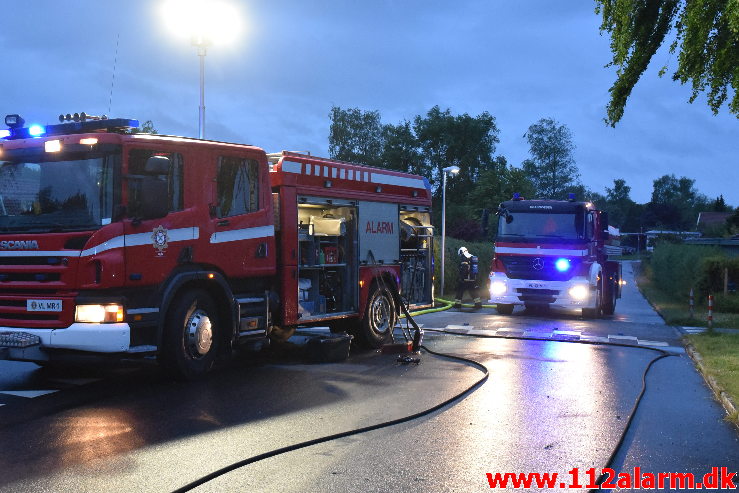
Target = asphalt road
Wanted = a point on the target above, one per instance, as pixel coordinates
(548, 406)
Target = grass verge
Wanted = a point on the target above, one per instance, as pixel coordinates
(677, 312)
(720, 353)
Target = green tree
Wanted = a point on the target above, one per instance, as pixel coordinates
(552, 167)
(146, 128)
(495, 184)
(719, 205)
(355, 136)
(462, 140)
(675, 202)
(706, 43)
(618, 203)
(400, 150)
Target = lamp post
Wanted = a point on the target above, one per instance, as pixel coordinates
(201, 43)
(205, 23)
(451, 170)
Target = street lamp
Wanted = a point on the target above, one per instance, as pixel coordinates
(205, 23)
(451, 170)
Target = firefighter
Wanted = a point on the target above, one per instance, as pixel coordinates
(467, 278)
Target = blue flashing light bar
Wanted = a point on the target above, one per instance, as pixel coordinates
(562, 264)
(36, 130)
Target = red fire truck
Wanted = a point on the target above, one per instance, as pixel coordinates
(553, 253)
(127, 245)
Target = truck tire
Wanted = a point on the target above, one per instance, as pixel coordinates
(191, 335)
(504, 309)
(380, 317)
(609, 303)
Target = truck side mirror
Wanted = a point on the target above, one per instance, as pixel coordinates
(604, 225)
(154, 193)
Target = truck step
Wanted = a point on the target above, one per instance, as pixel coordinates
(18, 339)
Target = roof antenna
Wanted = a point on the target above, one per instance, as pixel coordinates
(112, 82)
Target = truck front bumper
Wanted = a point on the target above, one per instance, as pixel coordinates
(31, 344)
(575, 293)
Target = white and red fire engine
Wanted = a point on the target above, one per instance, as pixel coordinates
(124, 244)
(553, 253)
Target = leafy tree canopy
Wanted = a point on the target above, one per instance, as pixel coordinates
(552, 167)
(706, 43)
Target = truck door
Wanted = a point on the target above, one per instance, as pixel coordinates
(153, 246)
(242, 234)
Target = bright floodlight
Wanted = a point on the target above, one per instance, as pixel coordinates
(211, 21)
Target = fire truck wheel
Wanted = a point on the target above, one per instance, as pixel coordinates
(379, 318)
(609, 305)
(504, 309)
(191, 338)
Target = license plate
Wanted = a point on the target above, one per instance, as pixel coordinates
(535, 285)
(44, 305)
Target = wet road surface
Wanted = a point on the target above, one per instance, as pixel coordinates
(548, 406)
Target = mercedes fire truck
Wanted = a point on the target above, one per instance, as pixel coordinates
(124, 245)
(553, 253)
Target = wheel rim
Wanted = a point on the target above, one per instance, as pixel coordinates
(198, 334)
(380, 314)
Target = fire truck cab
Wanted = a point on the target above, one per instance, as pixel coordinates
(127, 245)
(553, 253)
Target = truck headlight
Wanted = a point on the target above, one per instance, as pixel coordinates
(98, 314)
(498, 288)
(579, 292)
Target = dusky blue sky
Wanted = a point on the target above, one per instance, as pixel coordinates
(519, 60)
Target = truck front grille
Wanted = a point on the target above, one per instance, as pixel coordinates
(541, 268)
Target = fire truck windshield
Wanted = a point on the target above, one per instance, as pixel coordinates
(541, 226)
(64, 191)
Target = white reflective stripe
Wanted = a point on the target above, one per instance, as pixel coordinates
(138, 311)
(243, 234)
(37, 253)
(175, 235)
(291, 167)
(542, 251)
(401, 181)
(116, 242)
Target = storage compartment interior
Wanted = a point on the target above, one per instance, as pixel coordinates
(327, 246)
(416, 255)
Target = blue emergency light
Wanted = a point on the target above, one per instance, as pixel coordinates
(562, 264)
(36, 130)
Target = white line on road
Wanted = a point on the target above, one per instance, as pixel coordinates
(28, 394)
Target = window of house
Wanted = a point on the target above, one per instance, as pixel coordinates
(238, 186)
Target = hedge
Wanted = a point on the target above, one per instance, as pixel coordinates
(678, 268)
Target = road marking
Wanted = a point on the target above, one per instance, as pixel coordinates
(28, 394)
(459, 327)
(559, 335)
(619, 336)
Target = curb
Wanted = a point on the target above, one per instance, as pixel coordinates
(718, 391)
